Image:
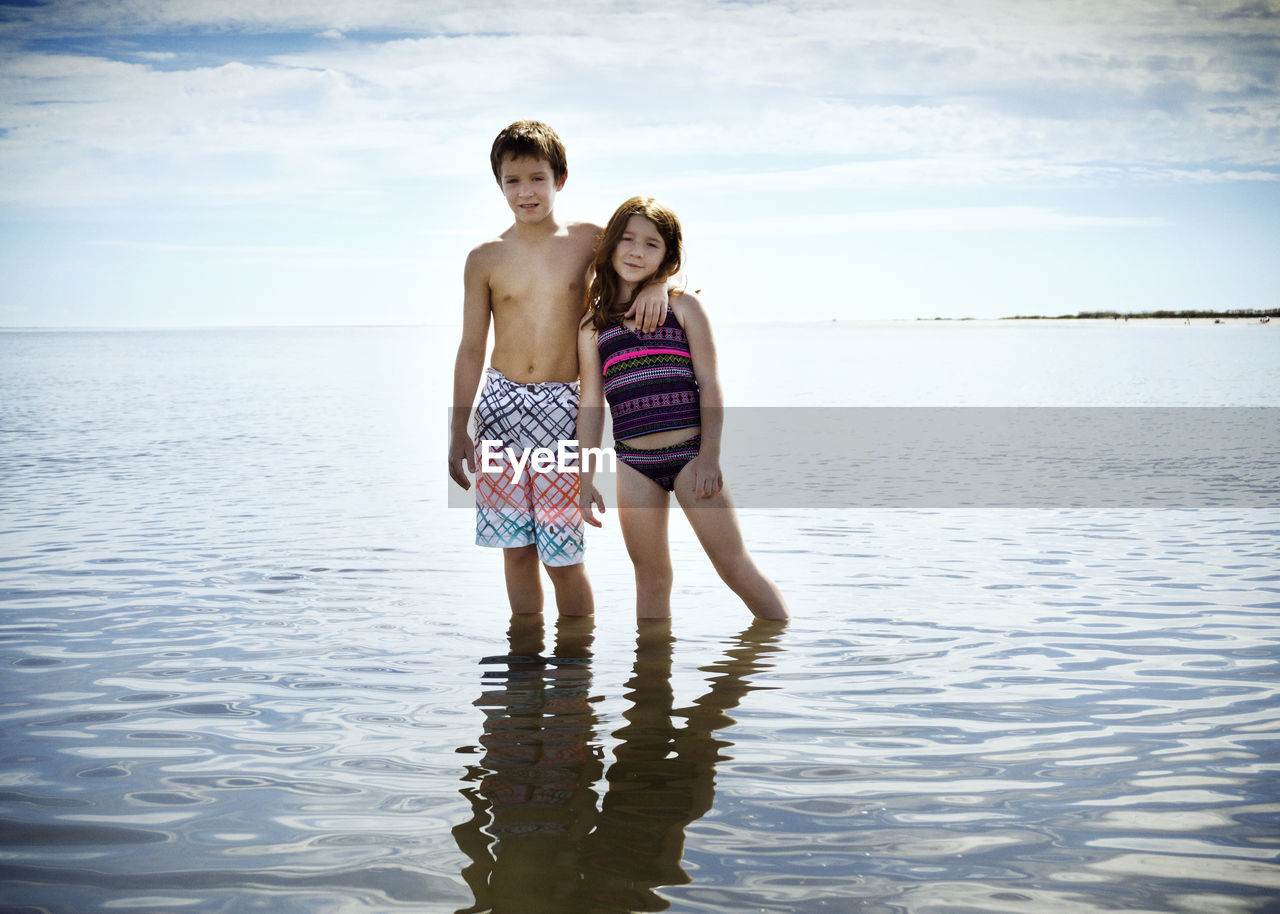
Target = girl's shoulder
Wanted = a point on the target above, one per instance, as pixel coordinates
(688, 309)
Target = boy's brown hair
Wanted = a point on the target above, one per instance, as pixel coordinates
(532, 139)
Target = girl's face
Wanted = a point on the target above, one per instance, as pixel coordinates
(639, 253)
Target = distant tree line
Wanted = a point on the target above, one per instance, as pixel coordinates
(1116, 315)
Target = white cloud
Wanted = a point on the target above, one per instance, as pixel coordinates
(959, 172)
(922, 90)
(323, 142)
(951, 219)
(248, 252)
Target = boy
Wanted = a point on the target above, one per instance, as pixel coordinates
(530, 281)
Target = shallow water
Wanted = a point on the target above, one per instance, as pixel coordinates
(250, 661)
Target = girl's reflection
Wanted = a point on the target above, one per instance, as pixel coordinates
(536, 840)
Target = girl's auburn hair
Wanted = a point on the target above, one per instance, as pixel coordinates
(602, 306)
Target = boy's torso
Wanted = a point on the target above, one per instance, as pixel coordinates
(536, 292)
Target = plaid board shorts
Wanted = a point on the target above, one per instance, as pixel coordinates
(541, 507)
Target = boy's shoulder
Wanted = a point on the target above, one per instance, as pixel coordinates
(494, 247)
(487, 251)
(588, 232)
(589, 228)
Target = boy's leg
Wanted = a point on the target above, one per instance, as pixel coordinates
(504, 507)
(715, 523)
(642, 515)
(504, 520)
(524, 586)
(557, 518)
(559, 532)
(573, 589)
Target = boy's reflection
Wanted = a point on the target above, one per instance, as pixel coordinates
(535, 801)
(563, 855)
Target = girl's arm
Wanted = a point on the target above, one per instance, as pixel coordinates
(590, 421)
(707, 478)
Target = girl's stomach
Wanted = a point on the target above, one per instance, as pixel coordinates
(655, 440)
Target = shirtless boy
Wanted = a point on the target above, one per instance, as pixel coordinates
(529, 280)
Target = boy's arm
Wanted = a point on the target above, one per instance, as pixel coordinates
(650, 305)
(707, 478)
(468, 366)
(590, 421)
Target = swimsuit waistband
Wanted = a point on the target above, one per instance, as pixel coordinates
(621, 447)
(494, 374)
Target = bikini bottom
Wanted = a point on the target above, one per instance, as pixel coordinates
(661, 464)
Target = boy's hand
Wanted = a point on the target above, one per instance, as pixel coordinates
(650, 307)
(707, 478)
(588, 498)
(462, 450)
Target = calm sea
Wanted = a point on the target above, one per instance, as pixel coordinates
(250, 660)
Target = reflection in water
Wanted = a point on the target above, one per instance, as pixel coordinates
(534, 797)
(538, 840)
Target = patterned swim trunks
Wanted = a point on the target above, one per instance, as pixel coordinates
(538, 507)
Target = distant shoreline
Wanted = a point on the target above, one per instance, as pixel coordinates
(1263, 316)
(1255, 318)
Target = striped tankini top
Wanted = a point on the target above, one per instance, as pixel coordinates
(648, 379)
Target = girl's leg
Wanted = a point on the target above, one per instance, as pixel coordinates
(642, 515)
(715, 523)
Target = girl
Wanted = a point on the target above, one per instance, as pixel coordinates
(664, 396)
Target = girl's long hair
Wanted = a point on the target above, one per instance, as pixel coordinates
(602, 305)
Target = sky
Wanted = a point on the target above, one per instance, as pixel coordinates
(191, 163)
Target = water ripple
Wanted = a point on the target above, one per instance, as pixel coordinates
(248, 661)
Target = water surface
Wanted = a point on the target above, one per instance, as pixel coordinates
(250, 660)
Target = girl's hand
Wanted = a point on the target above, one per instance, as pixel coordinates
(707, 479)
(588, 498)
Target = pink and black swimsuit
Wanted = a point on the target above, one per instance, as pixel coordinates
(650, 385)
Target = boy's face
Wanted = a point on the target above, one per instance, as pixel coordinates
(530, 187)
